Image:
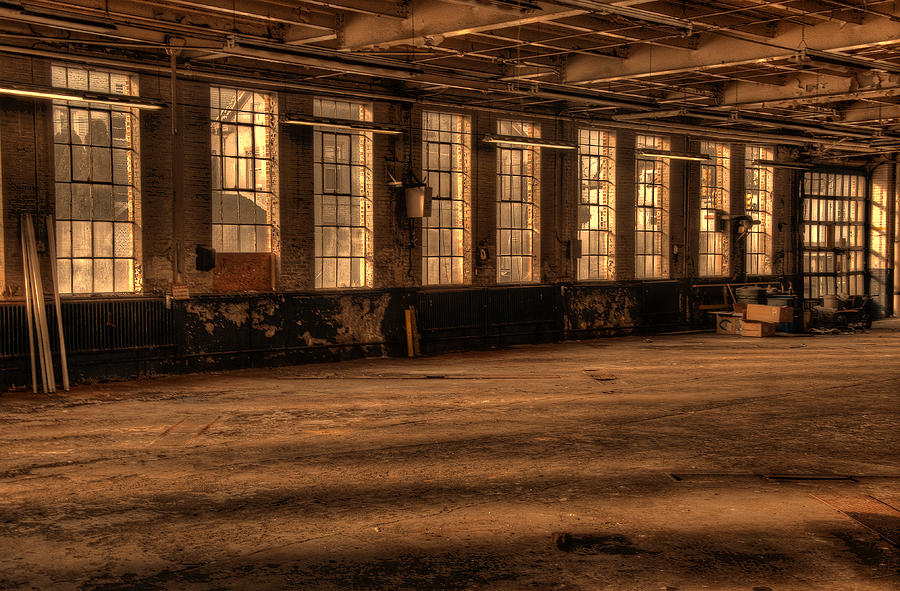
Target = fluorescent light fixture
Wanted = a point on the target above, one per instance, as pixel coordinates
(65, 94)
(345, 124)
(842, 59)
(514, 140)
(126, 101)
(777, 164)
(652, 153)
(40, 94)
(632, 13)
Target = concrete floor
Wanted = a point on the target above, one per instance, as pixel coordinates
(677, 462)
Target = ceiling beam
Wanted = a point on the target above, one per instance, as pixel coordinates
(433, 19)
(721, 51)
(380, 8)
(808, 89)
(865, 112)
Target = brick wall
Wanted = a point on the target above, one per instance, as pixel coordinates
(181, 164)
(25, 127)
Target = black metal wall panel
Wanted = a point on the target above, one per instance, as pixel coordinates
(662, 305)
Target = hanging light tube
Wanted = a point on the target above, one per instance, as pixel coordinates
(65, 94)
(513, 140)
(777, 164)
(653, 153)
(40, 94)
(344, 124)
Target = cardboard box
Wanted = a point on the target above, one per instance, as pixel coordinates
(769, 314)
(728, 323)
(750, 328)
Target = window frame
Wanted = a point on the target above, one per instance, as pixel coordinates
(834, 247)
(759, 190)
(233, 230)
(446, 233)
(518, 227)
(651, 248)
(97, 211)
(343, 219)
(713, 250)
(596, 209)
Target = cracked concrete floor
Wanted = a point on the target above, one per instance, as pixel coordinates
(680, 462)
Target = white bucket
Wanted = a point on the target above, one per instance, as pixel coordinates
(415, 201)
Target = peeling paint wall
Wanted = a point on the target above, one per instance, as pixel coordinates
(603, 309)
(213, 325)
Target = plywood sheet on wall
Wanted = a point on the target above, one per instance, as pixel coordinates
(240, 271)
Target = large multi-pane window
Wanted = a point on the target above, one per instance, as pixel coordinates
(244, 145)
(651, 235)
(834, 214)
(715, 196)
(342, 160)
(597, 207)
(517, 204)
(97, 184)
(758, 184)
(879, 234)
(446, 162)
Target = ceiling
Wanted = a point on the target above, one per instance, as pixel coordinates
(823, 75)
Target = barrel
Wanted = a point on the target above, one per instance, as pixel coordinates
(750, 294)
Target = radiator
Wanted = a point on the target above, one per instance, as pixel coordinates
(484, 308)
(93, 326)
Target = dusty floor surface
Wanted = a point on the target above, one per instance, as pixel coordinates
(680, 462)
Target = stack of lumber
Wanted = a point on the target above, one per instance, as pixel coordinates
(36, 309)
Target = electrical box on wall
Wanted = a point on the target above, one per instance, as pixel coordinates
(206, 258)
